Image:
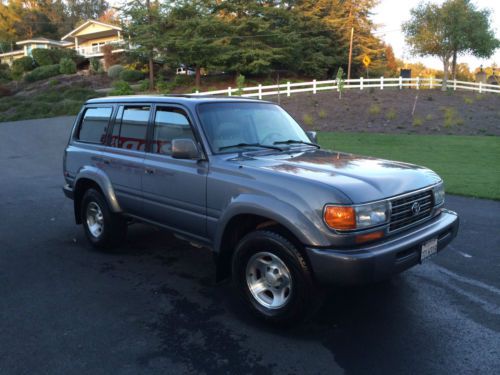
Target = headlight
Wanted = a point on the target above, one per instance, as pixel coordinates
(356, 217)
(438, 191)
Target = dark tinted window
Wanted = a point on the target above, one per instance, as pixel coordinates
(170, 123)
(130, 128)
(94, 124)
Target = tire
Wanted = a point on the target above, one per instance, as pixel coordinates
(103, 228)
(272, 277)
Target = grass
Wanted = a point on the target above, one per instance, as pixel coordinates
(50, 103)
(468, 164)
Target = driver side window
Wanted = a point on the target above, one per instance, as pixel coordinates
(170, 124)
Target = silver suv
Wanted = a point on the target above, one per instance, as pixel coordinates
(282, 216)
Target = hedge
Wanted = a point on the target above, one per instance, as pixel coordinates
(44, 56)
(22, 65)
(115, 71)
(67, 66)
(131, 75)
(42, 72)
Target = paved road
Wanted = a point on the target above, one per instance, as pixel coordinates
(152, 307)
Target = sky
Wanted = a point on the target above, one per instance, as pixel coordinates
(390, 14)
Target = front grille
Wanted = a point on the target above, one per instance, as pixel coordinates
(402, 214)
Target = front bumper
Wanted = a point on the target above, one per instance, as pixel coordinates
(382, 259)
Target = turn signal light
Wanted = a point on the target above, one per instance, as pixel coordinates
(340, 217)
(369, 237)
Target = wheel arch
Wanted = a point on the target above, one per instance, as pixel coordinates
(91, 177)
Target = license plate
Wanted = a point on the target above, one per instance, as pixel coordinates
(429, 248)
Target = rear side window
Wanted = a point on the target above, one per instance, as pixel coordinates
(95, 124)
(130, 127)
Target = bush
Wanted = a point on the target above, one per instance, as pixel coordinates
(5, 74)
(121, 88)
(114, 71)
(42, 72)
(131, 75)
(67, 66)
(44, 56)
(22, 65)
(95, 65)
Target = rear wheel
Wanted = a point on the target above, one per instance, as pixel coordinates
(272, 277)
(103, 228)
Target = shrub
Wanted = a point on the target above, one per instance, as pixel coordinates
(183, 80)
(144, 85)
(131, 75)
(240, 83)
(308, 120)
(67, 66)
(391, 114)
(121, 88)
(322, 114)
(374, 110)
(95, 65)
(42, 72)
(468, 100)
(44, 56)
(451, 117)
(22, 65)
(114, 71)
(417, 121)
(5, 74)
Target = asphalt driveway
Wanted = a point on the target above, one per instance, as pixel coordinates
(152, 307)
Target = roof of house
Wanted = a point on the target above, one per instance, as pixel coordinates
(41, 40)
(87, 23)
(12, 53)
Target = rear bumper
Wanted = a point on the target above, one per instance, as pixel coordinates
(381, 260)
(68, 191)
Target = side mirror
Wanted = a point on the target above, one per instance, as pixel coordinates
(184, 148)
(313, 136)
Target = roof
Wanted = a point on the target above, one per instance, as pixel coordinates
(44, 41)
(12, 53)
(181, 99)
(85, 24)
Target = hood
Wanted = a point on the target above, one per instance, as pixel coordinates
(361, 178)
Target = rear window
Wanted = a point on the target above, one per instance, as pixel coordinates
(130, 127)
(95, 124)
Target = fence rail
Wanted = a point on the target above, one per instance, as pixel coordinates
(314, 86)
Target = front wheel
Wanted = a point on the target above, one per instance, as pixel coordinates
(273, 278)
(103, 228)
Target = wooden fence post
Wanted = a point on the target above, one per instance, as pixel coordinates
(455, 85)
(418, 83)
(260, 91)
(382, 83)
(431, 84)
(480, 87)
(314, 86)
(229, 91)
(400, 82)
(361, 83)
(288, 88)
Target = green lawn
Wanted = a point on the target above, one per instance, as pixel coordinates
(469, 165)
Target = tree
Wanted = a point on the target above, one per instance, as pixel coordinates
(145, 27)
(191, 36)
(456, 27)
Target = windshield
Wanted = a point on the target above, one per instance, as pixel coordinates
(248, 126)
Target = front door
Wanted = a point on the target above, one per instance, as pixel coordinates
(174, 190)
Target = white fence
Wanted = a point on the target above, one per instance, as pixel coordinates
(361, 83)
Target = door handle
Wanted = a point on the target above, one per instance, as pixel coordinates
(150, 171)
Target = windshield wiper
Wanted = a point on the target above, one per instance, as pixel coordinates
(294, 141)
(239, 145)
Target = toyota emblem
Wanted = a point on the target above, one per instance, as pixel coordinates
(415, 208)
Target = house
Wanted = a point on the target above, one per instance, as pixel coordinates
(88, 39)
(29, 45)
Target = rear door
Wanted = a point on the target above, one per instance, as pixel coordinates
(123, 158)
(174, 190)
